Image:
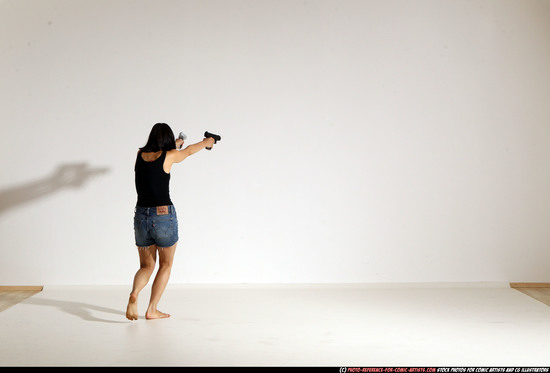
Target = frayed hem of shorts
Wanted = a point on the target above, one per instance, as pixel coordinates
(143, 248)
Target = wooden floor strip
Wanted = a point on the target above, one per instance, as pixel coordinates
(516, 285)
(11, 295)
(540, 294)
(21, 288)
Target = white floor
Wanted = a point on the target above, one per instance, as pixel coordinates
(286, 325)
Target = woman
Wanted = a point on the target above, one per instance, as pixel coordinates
(155, 219)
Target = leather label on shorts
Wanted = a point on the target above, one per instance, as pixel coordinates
(162, 210)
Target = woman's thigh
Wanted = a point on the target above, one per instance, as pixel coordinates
(148, 256)
(166, 254)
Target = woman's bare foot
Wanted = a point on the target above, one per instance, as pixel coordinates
(156, 314)
(131, 310)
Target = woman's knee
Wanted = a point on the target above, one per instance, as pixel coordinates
(148, 266)
(165, 263)
(147, 258)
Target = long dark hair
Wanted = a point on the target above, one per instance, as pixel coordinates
(161, 138)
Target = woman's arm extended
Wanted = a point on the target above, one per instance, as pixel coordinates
(176, 156)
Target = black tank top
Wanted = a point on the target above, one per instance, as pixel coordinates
(152, 183)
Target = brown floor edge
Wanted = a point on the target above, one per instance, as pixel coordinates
(530, 284)
(21, 288)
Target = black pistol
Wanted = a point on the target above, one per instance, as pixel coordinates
(211, 135)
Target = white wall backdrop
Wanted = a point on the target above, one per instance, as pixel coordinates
(363, 140)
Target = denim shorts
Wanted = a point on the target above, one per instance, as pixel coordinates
(152, 229)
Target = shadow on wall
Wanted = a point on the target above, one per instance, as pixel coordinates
(73, 175)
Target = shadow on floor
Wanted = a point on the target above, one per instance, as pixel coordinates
(83, 310)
